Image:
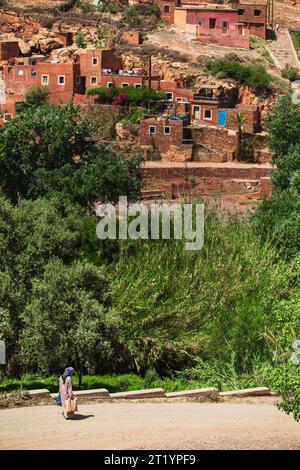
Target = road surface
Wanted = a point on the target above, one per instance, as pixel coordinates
(146, 425)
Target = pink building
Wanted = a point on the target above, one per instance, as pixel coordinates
(217, 24)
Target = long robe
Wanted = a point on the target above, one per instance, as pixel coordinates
(66, 391)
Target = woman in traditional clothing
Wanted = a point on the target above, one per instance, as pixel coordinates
(66, 390)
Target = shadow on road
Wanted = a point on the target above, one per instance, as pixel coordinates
(78, 417)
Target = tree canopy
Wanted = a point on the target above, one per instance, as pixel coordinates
(48, 149)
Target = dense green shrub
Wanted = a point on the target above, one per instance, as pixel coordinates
(136, 96)
(80, 41)
(37, 96)
(255, 76)
(283, 126)
(37, 157)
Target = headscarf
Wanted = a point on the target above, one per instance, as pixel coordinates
(68, 371)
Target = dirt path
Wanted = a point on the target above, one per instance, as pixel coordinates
(190, 425)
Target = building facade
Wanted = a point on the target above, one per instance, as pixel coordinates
(218, 21)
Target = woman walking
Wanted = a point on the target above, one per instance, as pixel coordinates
(66, 390)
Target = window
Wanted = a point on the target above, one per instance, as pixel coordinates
(45, 80)
(166, 9)
(61, 80)
(78, 80)
(137, 85)
(225, 27)
(181, 99)
(152, 130)
(33, 73)
(125, 85)
(167, 130)
(212, 23)
(257, 12)
(94, 81)
(110, 84)
(7, 117)
(241, 11)
(21, 72)
(197, 112)
(169, 96)
(208, 114)
(95, 61)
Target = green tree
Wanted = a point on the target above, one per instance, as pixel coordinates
(68, 320)
(283, 127)
(239, 120)
(48, 150)
(31, 234)
(288, 170)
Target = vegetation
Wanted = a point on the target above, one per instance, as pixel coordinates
(48, 150)
(245, 146)
(134, 96)
(290, 73)
(225, 316)
(254, 75)
(36, 96)
(296, 40)
(80, 41)
(277, 220)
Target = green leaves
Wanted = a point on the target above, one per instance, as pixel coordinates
(255, 76)
(47, 151)
(283, 127)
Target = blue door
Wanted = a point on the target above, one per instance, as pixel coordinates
(222, 118)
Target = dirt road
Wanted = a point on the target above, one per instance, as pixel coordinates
(191, 425)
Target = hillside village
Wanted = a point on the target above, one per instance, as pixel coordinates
(197, 116)
(149, 226)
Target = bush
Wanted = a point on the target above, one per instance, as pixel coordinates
(80, 41)
(254, 76)
(37, 96)
(108, 8)
(46, 21)
(135, 96)
(278, 220)
(283, 127)
(290, 73)
(86, 7)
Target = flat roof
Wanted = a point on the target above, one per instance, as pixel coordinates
(207, 7)
(254, 2)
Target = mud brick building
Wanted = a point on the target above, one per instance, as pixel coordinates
(218, 21)
(66, 38)
(62, 80)
(134, 38)
(167, 136)
(9, 50)
(213, 24)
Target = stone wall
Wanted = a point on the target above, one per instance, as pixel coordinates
(220, 140)
(201, 180)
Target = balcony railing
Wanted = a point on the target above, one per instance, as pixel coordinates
(123, 73)
(205, 98)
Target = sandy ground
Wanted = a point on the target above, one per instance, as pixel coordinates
(143, 425)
